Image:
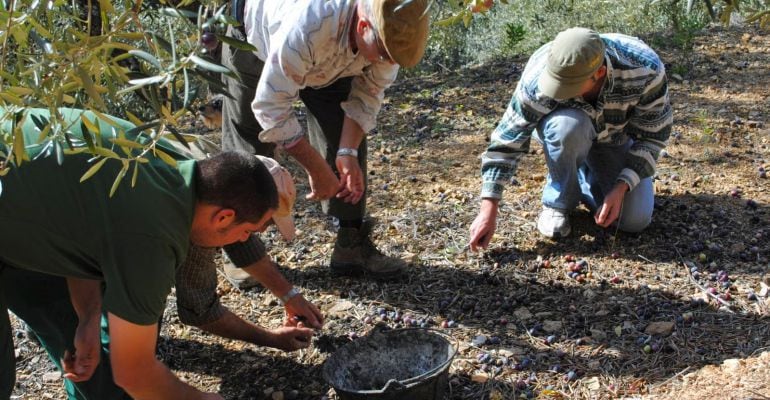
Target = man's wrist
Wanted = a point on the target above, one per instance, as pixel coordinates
(347, 151)
(292, 293)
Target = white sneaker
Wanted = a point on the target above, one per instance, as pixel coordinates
(553, 223)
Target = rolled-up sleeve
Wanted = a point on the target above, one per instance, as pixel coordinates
(244, 254)
(196, 288)
(367, 93)
(283, 76)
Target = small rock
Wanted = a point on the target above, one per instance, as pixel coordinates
(731, 364)
(269, 391)
(662, 328)
(552, 326)
(603, 312)
(522, 313)
(585, 340)
(598, 335)
(480, 377)
(340, 307)
(589, 294)
(269, 301)
(51, 376)
(512, 351)
(737, 248)
(479, 340)
(592, 384)
(277, 395)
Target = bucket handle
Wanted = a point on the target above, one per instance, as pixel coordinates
(393, 386)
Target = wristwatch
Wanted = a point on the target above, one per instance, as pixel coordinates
(347, 151)
(293, 292)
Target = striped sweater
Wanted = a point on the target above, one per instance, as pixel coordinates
(633, 103)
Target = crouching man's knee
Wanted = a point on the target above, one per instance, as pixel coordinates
(635, 223)
(638, 207)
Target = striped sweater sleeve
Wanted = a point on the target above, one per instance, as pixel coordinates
(650, 126)
(512, 136)
(510, 140)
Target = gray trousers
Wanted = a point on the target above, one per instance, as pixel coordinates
(325, 117)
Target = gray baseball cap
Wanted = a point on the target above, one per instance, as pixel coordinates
(573, 57)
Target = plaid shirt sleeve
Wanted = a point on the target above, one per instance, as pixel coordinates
(196, 280)
(243, 254)
(196, 288)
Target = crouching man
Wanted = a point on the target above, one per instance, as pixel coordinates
(599, 105)
(117, 254)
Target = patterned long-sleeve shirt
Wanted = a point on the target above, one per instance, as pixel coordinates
(633, 103)
(307, 44)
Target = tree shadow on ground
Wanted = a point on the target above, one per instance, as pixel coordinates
(537, 326)
(728, 230)
(600, 327)
(244, 374)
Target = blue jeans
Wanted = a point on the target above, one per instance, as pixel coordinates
(579, 169)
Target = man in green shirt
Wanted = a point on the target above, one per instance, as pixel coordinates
(120, 253)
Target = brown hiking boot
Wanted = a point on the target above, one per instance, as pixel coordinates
(354, 254)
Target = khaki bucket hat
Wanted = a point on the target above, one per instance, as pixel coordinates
(573, 58)
(403, 27)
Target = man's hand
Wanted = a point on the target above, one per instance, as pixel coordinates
(323, 183)
(483, 227)
(299, 310)
(290, 338)
(80, 365)
(86, 298)
(613, 203)
(351, 179)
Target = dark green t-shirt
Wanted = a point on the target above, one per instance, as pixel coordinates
(134, 240)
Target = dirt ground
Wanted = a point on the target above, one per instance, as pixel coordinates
(678, 311)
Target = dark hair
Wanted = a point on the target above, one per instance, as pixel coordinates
(236, 180)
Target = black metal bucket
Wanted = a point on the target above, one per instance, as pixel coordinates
(396, 364)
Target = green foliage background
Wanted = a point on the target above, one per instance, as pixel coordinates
(521, 26)
(143, 60)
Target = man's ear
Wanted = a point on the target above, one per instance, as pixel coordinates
(602, 71)
(223, 218)
(360, 25)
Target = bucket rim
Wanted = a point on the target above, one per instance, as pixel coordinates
(409, 382)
